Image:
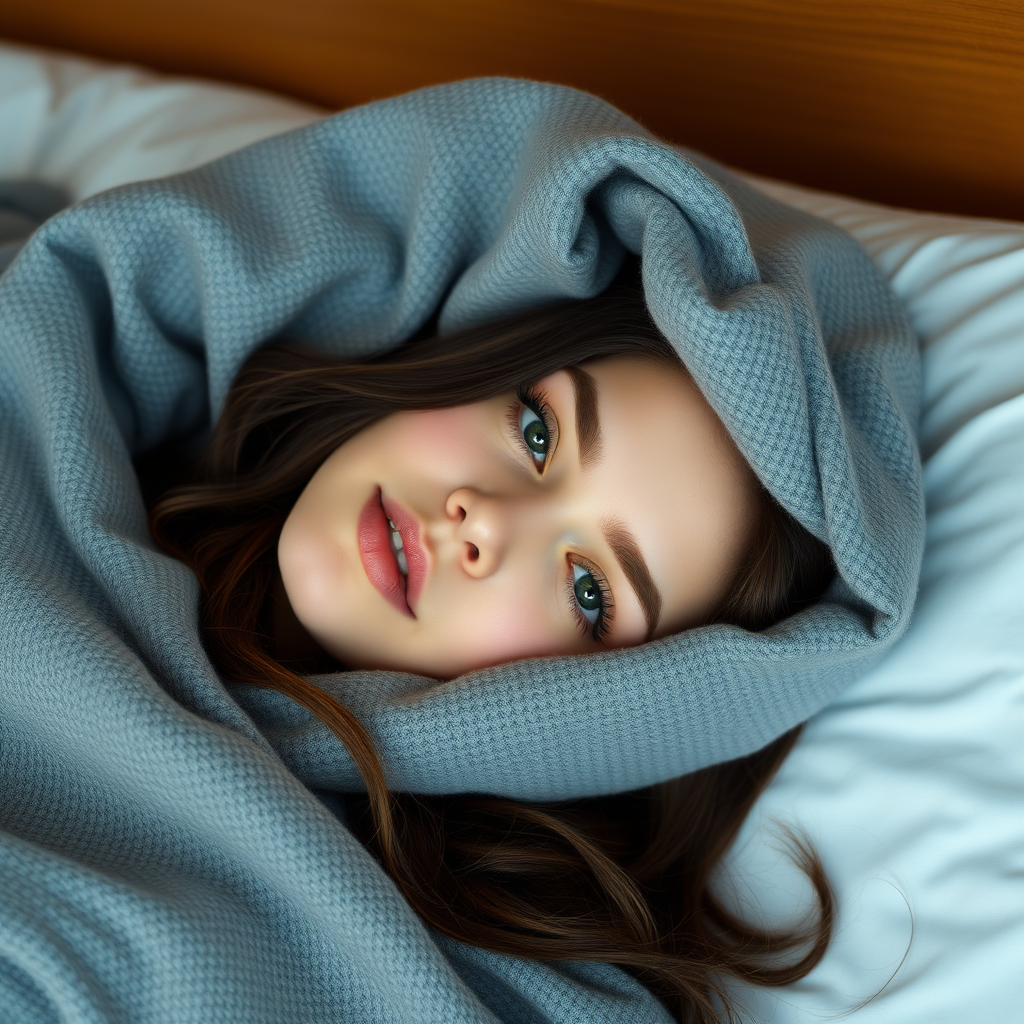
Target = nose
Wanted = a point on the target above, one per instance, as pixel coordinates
(481, 530)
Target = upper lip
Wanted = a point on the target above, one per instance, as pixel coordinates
(416, 557)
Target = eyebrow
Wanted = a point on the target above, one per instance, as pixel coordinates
(623, 544)
(588, 426)
(629, 556)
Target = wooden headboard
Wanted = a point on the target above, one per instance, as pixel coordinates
(914, 102)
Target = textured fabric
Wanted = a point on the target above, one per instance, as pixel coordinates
(172, 849)
(24, 205)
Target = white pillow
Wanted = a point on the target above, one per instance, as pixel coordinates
(910, 783)
(88, 126)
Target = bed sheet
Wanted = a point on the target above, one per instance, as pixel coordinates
(910, 784)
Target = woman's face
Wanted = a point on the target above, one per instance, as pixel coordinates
(604, 506)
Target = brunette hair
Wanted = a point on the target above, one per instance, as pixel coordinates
(622, 879)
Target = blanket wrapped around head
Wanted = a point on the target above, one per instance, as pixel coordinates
(170, 848)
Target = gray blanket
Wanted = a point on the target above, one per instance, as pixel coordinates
(170, 848)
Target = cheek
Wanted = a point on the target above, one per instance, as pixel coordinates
(498, 627)
(445, 441)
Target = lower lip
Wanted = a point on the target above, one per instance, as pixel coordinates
(377, 557)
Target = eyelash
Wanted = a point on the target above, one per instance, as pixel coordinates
(529, 397)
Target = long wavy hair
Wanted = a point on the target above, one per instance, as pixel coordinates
(623, 879)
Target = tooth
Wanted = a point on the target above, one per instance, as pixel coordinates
(396, 539)
(403, 564)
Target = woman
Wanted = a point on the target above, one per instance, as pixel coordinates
(551, 483)
(200, 822)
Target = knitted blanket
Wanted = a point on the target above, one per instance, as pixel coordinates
(172, 849)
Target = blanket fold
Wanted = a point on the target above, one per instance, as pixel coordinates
(163, 857)
(24, 205)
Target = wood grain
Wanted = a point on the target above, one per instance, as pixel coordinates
(917, 103)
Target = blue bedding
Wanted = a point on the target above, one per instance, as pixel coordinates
(172, 845)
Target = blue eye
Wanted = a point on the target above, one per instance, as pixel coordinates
(592, 601)
(533, 426)
(588, 596)
(535, 434)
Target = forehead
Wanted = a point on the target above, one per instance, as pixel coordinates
(669, 470)
(638, 393)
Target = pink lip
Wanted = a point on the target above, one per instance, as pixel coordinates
(379, 563)
(374, 537)
(415, 556)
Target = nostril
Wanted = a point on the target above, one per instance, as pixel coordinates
(454, 509)
(474, 552)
